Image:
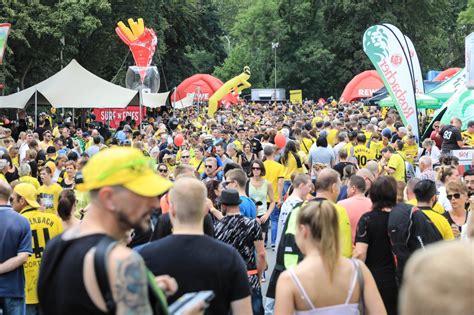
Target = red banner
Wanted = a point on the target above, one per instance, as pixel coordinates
(113, 116)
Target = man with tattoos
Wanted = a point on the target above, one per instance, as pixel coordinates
(123, 186)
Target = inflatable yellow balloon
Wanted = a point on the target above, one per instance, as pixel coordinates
(234, 85)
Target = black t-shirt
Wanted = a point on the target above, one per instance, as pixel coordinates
(451, 135)
(61, 288)
(198, 263)
(451, 221)
(241, 233)
(339, 167)
(372, 230)
(163, 227)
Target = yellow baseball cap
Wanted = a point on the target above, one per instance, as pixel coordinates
(27, 191)
(124, 166)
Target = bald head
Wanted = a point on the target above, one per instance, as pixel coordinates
(187, 201)
(5, 192)
(326, 178)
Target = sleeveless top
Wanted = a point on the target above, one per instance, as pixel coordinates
(339, 309)
(61, 288)
(259, 194)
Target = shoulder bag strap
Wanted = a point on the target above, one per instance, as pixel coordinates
(199, 165)
(360, 278)
(102, 251)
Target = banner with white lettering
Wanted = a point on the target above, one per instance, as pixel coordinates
(113, 116)
(392, 63)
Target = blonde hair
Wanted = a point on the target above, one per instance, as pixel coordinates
(436, 277)
(321, 218)
(184, 190)
(456, 186)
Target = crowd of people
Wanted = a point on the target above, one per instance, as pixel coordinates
(127, 221)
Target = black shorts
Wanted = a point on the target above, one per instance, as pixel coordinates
(264, 225)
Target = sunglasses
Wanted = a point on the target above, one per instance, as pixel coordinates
(162, 170)
(256, 168)
(456, 196)
(185, 156)
(209, 166)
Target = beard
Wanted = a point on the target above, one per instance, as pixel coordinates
(124, 222)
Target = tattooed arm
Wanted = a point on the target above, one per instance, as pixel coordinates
(129, 282)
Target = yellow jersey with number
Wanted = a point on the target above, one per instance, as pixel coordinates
(375, 147)
(44, 226)
(362, 154)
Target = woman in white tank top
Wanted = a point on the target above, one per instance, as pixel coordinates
(324, 283)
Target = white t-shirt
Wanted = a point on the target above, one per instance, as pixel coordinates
(285, 210)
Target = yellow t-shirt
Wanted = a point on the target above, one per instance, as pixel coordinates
(367, 134)
(345, 231)
(375, 147)
(197, 164)
(30, 180)
(83, 199)
(305, 145)
(49, 197)
(468, 138)
(2, 177)
(397, 163)
(411, 152)
(44, 226)
(332, 136)
(15, 161)
(291, 167)
(362, 153)
(350, 149)
(441, 224)
(44, 146)
(273, 172)
(438, 208)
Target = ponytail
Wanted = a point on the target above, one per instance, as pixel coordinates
(322, 219)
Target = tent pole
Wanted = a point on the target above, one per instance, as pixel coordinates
(36, 108)
(174, 104)
(140, 101)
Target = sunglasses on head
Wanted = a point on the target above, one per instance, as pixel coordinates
(456, 196)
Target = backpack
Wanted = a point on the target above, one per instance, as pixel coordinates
(409, 229)
(156, 296)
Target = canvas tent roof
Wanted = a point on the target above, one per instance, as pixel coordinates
(74, 87)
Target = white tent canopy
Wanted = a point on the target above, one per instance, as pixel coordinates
(154, 100)
(17, 100)
(76, 87)
(184, 103)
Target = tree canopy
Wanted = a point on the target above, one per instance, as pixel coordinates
(320, 41)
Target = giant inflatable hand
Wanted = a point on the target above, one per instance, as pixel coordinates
(234, 86)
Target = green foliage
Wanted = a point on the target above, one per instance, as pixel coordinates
(320, 41)
(184, 29)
